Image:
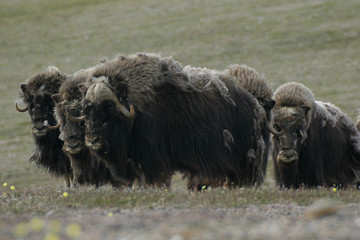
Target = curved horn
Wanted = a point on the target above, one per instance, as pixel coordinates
(74, 119)
(101, 91)
(123, 109)
(19, 109)
(273, 131)
(53, 127)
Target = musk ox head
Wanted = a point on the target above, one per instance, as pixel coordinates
(72, 133)
(292, 116)
(100, 109)
(36, 95)
(68, 104)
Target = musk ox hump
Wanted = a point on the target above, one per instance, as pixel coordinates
(249, 79)
(208, 79)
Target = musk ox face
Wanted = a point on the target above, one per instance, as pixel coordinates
(36, 94)
(98, 118)
(40, 107)
(104, 114)
(72, 133)
(291, 123)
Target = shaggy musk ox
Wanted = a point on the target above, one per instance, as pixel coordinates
(318, 145)
(145, 108)
(36, 94)
(87, 167)
(250, 80)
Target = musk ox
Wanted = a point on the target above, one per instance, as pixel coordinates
(250, 80)
(145, 108)
(87, 167)
(36, 95)
(317, 144)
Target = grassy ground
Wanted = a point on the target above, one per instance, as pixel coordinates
(313, 42)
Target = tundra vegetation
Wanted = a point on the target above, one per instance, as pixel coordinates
(312, 42)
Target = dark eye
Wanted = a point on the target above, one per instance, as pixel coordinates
(300, 131)
(277, 127)
(86, 110)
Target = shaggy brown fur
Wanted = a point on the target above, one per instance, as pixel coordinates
(87, 168)
(320, 145)
(36, 94)
(249, 79)
(178, 125)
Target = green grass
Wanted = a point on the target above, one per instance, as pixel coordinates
(313, 42)
(39, 201)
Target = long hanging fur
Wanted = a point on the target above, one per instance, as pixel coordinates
(87, 167)
(250, 80)
(179, 126)
(36, 94)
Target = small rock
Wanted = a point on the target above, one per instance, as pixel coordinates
(322, 208)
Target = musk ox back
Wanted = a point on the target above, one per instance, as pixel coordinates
(87, 168)
(36, 94)
(250, 80)
(318, 145)
(154, 115)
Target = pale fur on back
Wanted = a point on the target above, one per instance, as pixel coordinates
(333, 116)
(207, 78)
(249, 79)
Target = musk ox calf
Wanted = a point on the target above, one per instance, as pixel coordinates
(36, 94)
(145, 108)
(317, 144)
(250, 80)
(87, 167)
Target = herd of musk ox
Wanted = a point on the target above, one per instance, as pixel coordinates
(136, 120)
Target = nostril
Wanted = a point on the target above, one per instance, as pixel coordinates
(92, 140)
(288, 154)
(39, 127)
(72, 145)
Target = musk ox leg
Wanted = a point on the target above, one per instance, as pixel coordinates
(165, 183)
(140, 181)
(289, 177)
(67, 181)
(197, 183)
